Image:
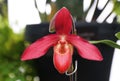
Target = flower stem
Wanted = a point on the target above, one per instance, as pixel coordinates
(72, 72)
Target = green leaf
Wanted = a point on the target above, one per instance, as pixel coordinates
(107, 42)
(118, 35)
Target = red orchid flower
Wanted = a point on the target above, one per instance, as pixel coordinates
(62, 42)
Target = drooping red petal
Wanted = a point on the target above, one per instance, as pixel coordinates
(62, 57)
(40, 47)
(62, 21)
(85, 49)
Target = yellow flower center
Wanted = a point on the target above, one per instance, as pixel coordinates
(63, 47)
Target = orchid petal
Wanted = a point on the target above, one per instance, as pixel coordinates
(85, 49)
(62, 57)
(62, 21)
(40, 47)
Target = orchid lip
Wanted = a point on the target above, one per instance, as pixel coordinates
(62, 56)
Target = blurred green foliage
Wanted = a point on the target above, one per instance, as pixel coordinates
(11, 48)
(116, 9)
(118, 35)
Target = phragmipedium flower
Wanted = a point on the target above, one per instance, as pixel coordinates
(62, 42)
